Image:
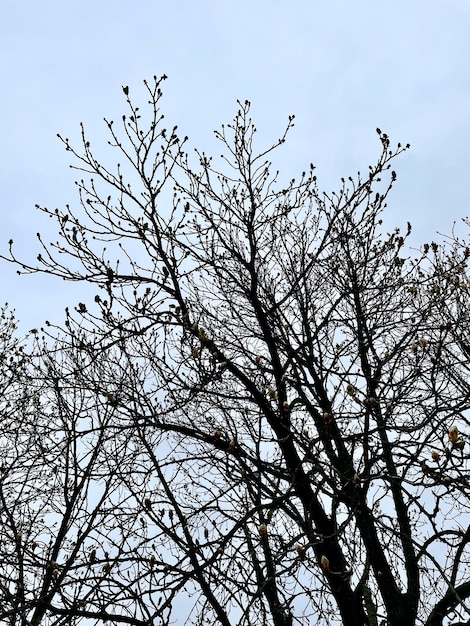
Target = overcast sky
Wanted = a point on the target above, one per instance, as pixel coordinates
(343, 67)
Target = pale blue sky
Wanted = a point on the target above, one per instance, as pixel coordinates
(343, 67)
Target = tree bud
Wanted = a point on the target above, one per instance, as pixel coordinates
(300, 551)
(272, 393)
(453, 433)
(325, 563)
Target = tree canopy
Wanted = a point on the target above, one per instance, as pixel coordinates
(257, 412)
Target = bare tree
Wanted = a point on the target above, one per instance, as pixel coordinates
(60, 536)
(263, 409)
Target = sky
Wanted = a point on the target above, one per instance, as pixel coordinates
(343, 67)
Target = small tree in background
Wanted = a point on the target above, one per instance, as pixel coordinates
(261, 417)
